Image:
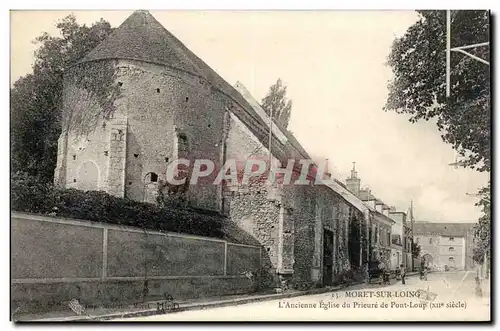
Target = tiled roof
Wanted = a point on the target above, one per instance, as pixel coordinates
(444, 229)
(142, 37)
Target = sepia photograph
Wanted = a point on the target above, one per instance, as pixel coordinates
(250, 166)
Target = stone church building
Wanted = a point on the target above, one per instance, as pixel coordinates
(141, 100)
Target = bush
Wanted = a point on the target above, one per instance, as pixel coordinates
(29, 195)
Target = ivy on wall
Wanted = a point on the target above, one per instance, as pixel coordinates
(90, 93)
(28, 195)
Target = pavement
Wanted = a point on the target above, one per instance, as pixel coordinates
(266, 307)
(151, 307)
(453, 298)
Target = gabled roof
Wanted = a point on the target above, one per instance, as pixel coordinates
(286, 138)
(294, 149)
(444, 229)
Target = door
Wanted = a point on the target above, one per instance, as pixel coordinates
(327, 257)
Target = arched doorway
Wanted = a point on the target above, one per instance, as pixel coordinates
(88, 177)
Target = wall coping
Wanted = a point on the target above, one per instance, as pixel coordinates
(111, 279)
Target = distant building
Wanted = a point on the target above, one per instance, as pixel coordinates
(446, 246)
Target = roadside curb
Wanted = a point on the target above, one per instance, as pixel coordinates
(194, 306)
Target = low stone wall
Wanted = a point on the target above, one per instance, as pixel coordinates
(56, 260)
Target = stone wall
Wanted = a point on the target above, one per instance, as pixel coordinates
(117, 157)
(252, 210)
(85, 138)
(159, 105)
(288, 220)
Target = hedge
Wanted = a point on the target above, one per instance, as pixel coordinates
(29, 195)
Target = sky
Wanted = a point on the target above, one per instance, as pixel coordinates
(333, 63)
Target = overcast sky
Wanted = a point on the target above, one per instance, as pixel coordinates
(333, 63)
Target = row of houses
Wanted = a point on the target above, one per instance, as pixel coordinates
(172, 105)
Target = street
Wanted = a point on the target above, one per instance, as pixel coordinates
(455, 301)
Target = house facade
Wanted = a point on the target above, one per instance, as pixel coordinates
(404, 234)
(397, 235)
(379, 230)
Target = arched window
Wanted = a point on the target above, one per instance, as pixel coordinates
(451, 261)
(151, 178)
(451, 249)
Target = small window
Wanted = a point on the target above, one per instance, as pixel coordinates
(430, 241)
(451, 259)
(183, 142)
(452, 239)
(451, 249)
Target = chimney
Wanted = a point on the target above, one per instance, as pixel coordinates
(353, 183)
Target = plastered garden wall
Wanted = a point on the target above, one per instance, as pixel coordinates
(56, 260)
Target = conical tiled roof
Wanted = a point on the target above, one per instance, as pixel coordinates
(142, 37)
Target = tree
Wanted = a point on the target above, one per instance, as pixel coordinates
(415, 250)
(418, 61)
(36, 99)
(277, 104)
